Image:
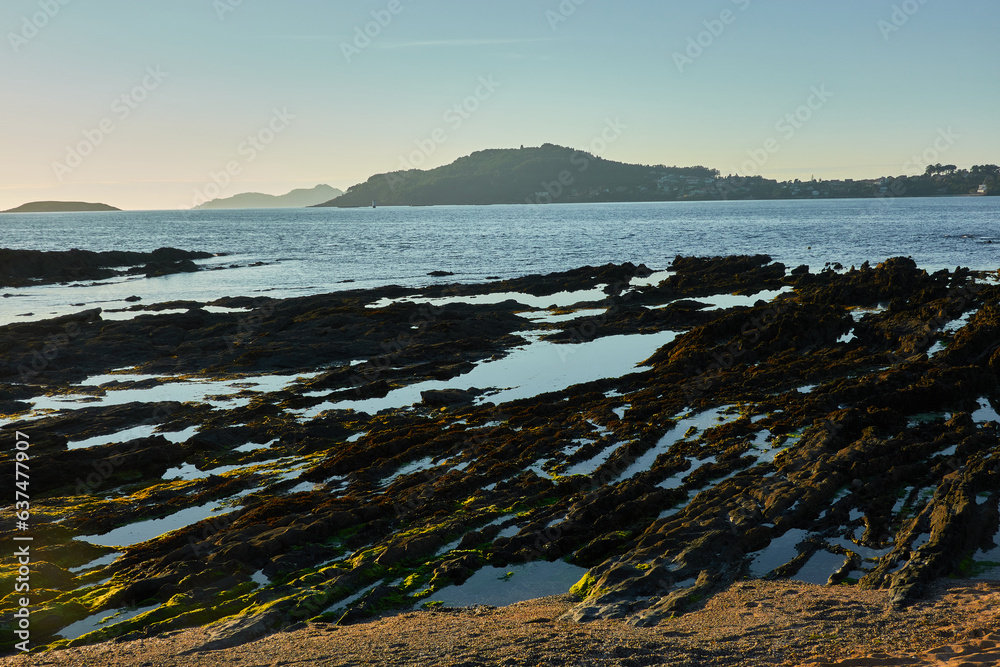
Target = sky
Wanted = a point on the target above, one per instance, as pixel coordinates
(163, 103)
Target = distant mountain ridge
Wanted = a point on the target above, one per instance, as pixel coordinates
(60, 207)
(300, 198)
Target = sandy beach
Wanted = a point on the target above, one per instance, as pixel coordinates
(752, 624)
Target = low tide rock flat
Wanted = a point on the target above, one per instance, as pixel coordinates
(644, 438)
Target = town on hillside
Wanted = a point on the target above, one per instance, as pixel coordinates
(937, 180)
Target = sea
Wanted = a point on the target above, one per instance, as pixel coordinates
(294, 252)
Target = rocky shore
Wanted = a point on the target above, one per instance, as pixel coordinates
(252, 464)
(19, 268)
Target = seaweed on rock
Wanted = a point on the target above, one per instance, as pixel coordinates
(817, 433)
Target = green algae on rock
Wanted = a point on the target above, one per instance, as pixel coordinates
(811, 429)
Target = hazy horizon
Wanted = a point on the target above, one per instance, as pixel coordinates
(147, 106)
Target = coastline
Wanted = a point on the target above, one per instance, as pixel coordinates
(758, 624)
(656, 436)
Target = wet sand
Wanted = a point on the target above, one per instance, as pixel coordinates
(751, 624)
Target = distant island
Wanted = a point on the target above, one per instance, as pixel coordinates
(295, 199)
(60, 207)
(557, 174)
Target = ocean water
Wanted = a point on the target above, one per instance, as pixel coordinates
(309, 251)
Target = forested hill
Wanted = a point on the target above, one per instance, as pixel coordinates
(514, 176)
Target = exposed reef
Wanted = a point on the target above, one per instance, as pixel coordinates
(19, 268)
(330, 457)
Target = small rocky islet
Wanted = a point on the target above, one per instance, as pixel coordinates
(61, 207)
(257, 463)
(23, 268)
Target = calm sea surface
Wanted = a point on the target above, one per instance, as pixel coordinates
(310, 251)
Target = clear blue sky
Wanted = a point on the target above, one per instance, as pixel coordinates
(222, 74)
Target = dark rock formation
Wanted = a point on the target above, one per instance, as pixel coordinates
(842, 431)
(30, 267)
